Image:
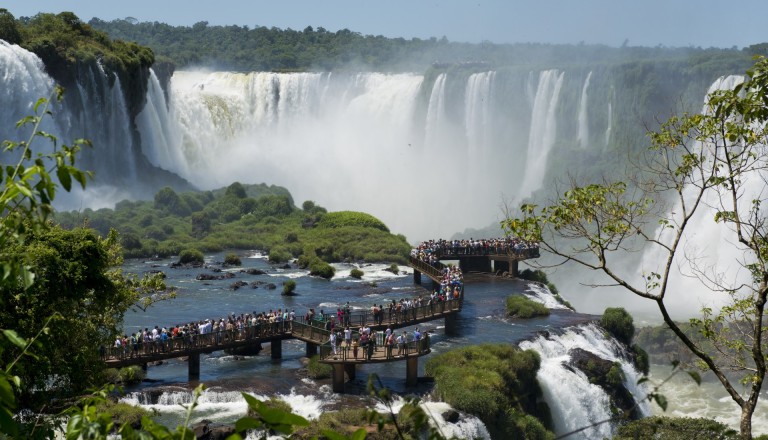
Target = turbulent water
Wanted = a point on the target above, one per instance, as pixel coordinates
(482, 320)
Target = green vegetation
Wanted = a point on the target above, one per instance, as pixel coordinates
(675, 428)
(343, 219)
(243, 217)
(289, 287)
(520, 306)
(619, 324)
(316, 370)
(124, 376)
(231, 259)
(496, 383)
(124, 413)
(356, 273)
(708, 165)
(191, 256)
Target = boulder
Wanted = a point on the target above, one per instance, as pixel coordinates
(607, 375)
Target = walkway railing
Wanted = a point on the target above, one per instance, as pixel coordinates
(426, 268)
(375, 351)
(316, 331)
(189, 342)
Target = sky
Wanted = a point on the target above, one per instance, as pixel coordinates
(670, 23)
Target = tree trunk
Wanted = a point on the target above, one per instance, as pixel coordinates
(745, 424)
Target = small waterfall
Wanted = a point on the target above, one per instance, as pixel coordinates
(540, 293)
(467, 426)
(609, 128)
(435, 115)
(573, 400)
(543, 131)
(583, 136)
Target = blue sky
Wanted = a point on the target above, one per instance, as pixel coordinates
(699, 23)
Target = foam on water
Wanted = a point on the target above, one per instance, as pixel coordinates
(541, 294)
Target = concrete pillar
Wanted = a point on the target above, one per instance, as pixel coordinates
(416, 277)
(412, 371)
(513, 269)
(338, 378)
(144, 367)
(277, 349)
(351, 370)
(451, 324)
(194, 366)
(311, 349)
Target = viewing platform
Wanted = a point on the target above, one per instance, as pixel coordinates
(314, 333)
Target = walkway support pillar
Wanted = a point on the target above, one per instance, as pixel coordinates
(416, 277)
(500, 266)
(412, 371)
(276, 347)
(338, 378)
(194, 366)
(451, 324)
(311, 349)
(513, 268)
(351, 370)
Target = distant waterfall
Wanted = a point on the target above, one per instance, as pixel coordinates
(583, 136)
(543, 130)
(573, 400)
(477, 111)
(610, 125)
(435, 114)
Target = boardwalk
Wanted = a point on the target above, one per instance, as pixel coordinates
(316, 332)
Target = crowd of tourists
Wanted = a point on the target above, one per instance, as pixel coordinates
(363, 343)
(431, 250)
(233, 327)
(160, 339)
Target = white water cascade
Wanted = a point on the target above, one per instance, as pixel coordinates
(583, 136)
(477, 112)
(435, 116)
(543, 130)
(573, 400)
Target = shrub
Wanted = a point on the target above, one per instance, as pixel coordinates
(394, 269)
(232, 259)
(288, 287)
(520, 306)
(642, 363)
(356, 273)
(191, 256)
(342, 219)
(615, 375)
(279, 255)
(316, 370)
(124, 413)
(618, 323)
(320, 268)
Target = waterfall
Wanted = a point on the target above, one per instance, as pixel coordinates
(543, 130)
(583, 136)
(24, 81)
(477, 112)
(573, 400)
(435, 115)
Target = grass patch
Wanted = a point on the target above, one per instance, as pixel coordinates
(520, 306)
